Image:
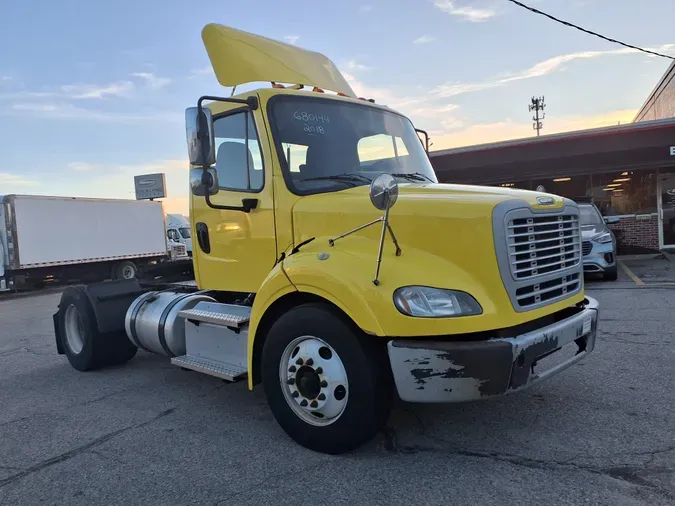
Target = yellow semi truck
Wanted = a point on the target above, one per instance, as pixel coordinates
(333, 269)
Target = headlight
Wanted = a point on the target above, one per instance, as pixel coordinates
(604, 238)
(434, 303)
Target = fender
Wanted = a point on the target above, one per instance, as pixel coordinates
(304, 273)
(273, 287)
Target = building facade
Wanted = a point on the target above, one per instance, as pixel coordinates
(661, 101)
(628, 170)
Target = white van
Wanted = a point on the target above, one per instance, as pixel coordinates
(178, 230)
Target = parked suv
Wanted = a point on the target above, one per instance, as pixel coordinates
(598, 242)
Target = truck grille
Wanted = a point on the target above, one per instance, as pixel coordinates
(543, 244)
(539, 254)
(586, 247)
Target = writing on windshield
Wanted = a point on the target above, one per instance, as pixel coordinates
(330, 145)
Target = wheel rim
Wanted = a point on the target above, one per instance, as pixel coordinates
(74, 330)
(314, 380)
(128, 272)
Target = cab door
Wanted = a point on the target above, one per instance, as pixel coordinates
(235, 250)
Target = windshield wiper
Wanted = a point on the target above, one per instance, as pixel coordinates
(344, 178)
(417, 176)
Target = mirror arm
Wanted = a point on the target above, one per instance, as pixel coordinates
(251, 102)
(426, 137)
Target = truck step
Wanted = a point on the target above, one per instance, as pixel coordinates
(225, 315)
(229, 372)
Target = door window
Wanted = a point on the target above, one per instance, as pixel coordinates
(238, 156)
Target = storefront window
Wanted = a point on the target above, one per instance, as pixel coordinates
(571, 187)
(625, 192)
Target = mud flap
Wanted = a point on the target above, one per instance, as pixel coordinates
(57, 334)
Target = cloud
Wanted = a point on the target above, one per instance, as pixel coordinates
(7, 181)
(508, 129)
(539, 69)
(355, 66)
(466, 12)
(194, 73)
(80, 166)
(365, 8)
(67, 111)
(381, 95)
(85, 91)
(291, 39)
(424, 39)
(152, 80)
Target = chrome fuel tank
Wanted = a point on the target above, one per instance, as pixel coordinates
(152, 322)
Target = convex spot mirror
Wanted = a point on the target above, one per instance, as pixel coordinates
(384, 191)
(200, 138)
(203, 181)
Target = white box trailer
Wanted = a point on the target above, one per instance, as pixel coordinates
(67, 237)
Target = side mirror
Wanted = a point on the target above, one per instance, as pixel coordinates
(200, 138)
(611, 219)
(203, 182)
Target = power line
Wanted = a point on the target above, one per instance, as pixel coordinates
(566, 23)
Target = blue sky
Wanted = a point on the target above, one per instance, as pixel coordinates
(92, 93)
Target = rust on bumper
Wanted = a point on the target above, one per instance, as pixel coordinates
(443, 371)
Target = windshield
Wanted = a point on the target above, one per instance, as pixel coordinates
(331, 145)
(185, 232)
(590, 215)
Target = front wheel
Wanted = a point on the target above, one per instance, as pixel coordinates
(611, 274)
(328, 386)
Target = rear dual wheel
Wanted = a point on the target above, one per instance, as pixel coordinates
(83, 344)
(328, 386)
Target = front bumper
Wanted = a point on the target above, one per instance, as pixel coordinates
(602, 257)
(456, 371)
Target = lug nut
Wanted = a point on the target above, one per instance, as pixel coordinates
(299, 361)
(319, 370)
(324, 384)
(295, 394)
(314, 404)
(304, 403)
(291, 381)
(310, 361)
(321, 397)
(292, 369)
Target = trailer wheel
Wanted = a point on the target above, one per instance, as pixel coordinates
(328, 386)
(85, 347)
(125, 270)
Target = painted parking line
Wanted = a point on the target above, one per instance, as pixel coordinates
(631, 274)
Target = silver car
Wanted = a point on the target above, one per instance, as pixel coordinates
(598, 242)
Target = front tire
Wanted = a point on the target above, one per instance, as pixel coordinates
(328, 386)
(611, 274)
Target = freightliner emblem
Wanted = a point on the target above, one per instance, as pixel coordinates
(545, 201)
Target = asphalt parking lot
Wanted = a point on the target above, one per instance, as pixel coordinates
(148, 433)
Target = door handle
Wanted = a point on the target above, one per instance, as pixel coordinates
(203, 237)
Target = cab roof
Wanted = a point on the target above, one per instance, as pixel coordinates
(239, 57)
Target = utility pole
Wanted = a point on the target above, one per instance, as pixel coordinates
(536, 106)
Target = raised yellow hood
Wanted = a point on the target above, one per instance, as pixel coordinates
(239, 57)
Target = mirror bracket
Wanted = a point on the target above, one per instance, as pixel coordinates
(383, 196)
